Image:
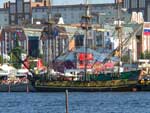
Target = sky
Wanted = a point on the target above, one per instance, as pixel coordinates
(65, 2)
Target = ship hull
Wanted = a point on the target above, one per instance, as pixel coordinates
(129, 75)
(127, 81)
(124, 88)
(89, 86)
(21, 87)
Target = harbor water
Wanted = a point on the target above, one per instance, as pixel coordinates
(95, 102)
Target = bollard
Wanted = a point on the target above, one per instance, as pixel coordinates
(27, 88)
(9, 87)
(66, 101)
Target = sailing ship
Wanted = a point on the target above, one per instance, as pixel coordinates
(86, 80)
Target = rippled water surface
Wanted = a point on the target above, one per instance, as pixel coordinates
(128, 102)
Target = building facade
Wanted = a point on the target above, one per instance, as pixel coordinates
(10, 36)
(73, 13)
(28, 39)
(138, 6)
(19, 12)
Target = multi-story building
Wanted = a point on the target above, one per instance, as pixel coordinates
(27, 37)
(10, 36)
(19, 12)
(73, 13)
(138, 6)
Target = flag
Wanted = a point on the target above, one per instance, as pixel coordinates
(147, 31)
(83, 56)
(39, 64)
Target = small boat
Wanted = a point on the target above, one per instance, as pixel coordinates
(13, 80)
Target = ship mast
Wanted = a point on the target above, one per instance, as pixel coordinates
(86, 26)
(50, 38)
(119, 30)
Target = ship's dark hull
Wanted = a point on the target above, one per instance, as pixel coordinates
(127, 81)
(90, 86)
(86, 89)
(143, 87)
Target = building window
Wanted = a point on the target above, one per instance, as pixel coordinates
(12, 18)
(99, 40)
(141, 3)
(37, 5)
(134, 3)
(26, 8)
(79, 40)
(20, 6)
(5, 19)
(12, 8)
(126, 4)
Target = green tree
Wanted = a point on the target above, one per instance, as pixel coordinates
(16, 57)
(16, 54)
(147, 54)
(142, 56)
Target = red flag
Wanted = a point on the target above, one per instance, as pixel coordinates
(39, 63)
(83, 56)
